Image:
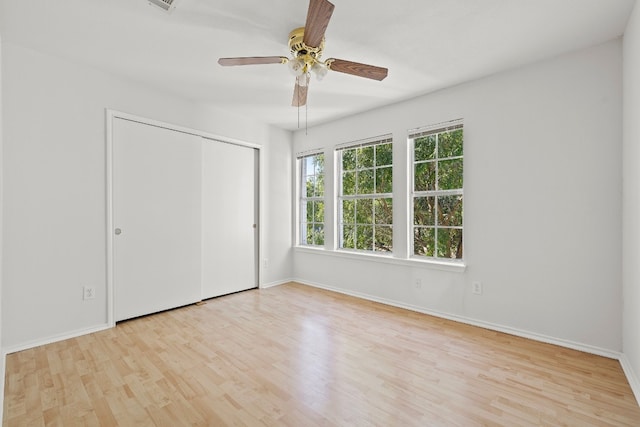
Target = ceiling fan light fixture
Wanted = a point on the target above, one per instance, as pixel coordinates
(303, 79)
(319, 70)
(296, 66)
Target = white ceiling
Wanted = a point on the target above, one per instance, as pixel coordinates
(426, 44)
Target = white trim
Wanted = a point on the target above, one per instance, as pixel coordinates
(109, 215)
(632, 377)
(374, 140)
(458, 267)
(276, 283)
(55, 338)
(113, 114)
(473, 322)
(177, 128)
(308, 153)
(260, 191)
(295, 202)
(2, 354)
(435, 128)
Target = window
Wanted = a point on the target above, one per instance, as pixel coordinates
(312, 199)
(365, 199)
(437, 191)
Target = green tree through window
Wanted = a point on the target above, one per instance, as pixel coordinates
(366, 200)
(438, 192)
(312, 200)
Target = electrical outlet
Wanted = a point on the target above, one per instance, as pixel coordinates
(265, 263)
(476, 288)
(88, 292)
(418, 283)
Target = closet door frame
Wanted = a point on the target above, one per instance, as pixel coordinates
(112, 115)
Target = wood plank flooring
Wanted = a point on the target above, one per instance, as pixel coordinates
(298, 356)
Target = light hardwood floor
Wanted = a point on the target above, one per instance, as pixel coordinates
(298, 356)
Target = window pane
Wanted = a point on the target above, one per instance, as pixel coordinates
(349, 211)
(424, 210)
(349, 183)
(438, 217)
(309, 211)
(384, 180)
(349, 159)
(450, 174)
(365, 171)
(309, 240)
(349, 236)
(384, 155)
(364, 211)
(449, 243)
(318, 211)
(307, 166)
(319, 164)
(425, 148)
(311, 215)
(365, 181)
(318, 234)
(310, 186)
(450, 211)
(364, 157)
(319, 188)
(450, 144)
(383, 211)
(364, 237)
(423, 241)
(425, 176)
(383, 239)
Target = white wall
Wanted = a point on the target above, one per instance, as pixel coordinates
(54, 206)
(631, 201)
(276, 193)
(542, 202)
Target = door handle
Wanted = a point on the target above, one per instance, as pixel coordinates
(118, 231)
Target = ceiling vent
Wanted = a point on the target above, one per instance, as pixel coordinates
(167, 5)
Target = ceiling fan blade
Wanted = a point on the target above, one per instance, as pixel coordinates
(299, 95)
(357, 69)
(252, 60)
(318, 17)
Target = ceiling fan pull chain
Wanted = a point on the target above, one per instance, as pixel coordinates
(298, 102)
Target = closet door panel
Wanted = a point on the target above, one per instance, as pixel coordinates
(230, 218)
(157, 210)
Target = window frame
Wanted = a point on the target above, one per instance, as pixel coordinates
(414, 134)
(303, 199)
(340, 197)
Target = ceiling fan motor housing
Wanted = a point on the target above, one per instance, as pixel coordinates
(298, 49)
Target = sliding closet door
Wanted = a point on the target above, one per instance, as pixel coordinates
(157, 218)
(230, 217)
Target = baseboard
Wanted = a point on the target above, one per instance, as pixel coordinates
(3, 365)
(80, 332)
(632, 377)
(55, 338)
(473, 322)
(276, 283)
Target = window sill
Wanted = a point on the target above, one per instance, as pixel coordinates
(453, 266)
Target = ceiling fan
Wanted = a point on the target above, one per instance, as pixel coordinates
(307, 45)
